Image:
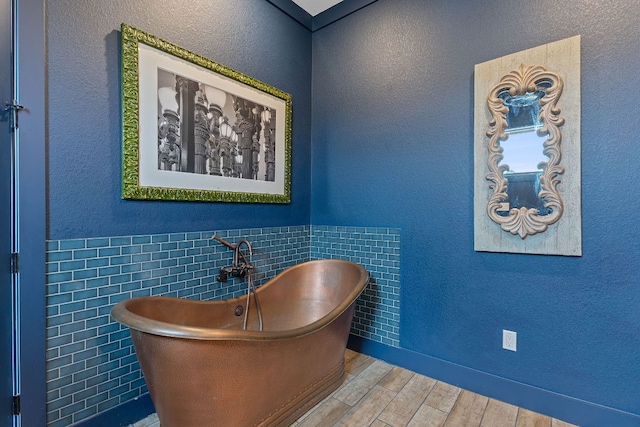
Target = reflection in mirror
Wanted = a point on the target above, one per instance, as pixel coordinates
(523, 158)
(524, 151)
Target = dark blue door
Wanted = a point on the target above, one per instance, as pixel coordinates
(6, 299)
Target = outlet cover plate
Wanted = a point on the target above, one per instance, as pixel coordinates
(509, 340)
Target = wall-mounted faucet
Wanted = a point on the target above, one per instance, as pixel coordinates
(241, 264)
(242, 268)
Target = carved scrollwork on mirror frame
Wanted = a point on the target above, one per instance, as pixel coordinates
(541, 90)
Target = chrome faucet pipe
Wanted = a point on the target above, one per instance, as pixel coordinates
(233, 248)
(222, 241)
(237, 253)
(250, 287)
(238, 270)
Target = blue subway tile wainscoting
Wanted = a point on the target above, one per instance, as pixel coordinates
(91, 364)
(377, 315)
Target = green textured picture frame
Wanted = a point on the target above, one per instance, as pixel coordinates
(141, 161)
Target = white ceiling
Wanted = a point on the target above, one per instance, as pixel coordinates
(314, 7)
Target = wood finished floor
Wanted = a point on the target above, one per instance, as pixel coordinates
(376, 394)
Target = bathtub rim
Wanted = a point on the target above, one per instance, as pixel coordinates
(134, 321)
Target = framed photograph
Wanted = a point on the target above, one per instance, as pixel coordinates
(197, 130)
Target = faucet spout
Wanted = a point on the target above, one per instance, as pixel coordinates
(240, 269)
(237, 254)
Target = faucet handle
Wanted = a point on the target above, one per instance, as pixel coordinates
(222, 277)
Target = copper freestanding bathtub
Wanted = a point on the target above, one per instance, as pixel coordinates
(203, 369)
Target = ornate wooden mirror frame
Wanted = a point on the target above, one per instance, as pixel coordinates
(525, 221)
(551, 71)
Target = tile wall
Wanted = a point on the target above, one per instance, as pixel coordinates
(91, 365)
(377, 316)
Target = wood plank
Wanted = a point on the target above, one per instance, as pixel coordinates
(367, 409)
(310, 411)
(350, 354)
(357, 388)
(499, 414)
(375, 372)
(468, 410)
(443, 396)
(528, 418)
(403, 407)
(347, 378)
(326, 414)
(428, 416)
(352, 392)
(557, 423)
(357, 364)
(396, 379)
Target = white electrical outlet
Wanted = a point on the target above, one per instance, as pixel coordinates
(509, 340)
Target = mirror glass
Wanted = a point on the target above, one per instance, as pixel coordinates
(523, 159)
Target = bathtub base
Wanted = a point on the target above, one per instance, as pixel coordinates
(265, 394)
(307, 399)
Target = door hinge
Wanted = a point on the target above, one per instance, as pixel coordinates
(13, 107)
(16, 405)
(15, 263)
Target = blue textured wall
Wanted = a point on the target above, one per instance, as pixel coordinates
(393, 147)
(253, 37)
